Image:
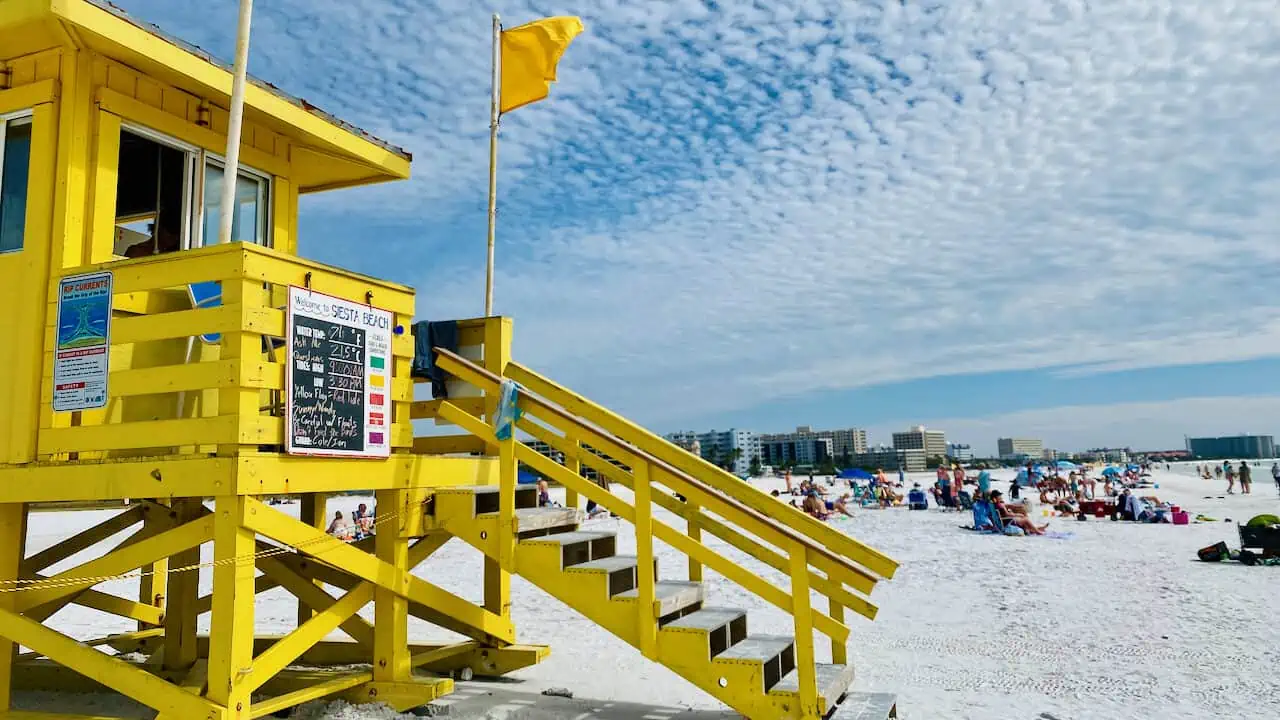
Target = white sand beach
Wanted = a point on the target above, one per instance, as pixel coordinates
(1117, 620)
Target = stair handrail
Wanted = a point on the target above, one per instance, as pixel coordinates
(804, 540)
(676, 456)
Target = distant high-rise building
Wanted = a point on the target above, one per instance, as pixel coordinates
(1233, 446)
(891, 459)
(1020, 448)
(846, 441)
(722, 447)
(960, 451)
(796, 451)
(932, 442)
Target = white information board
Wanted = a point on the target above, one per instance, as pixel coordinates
(338, 377)
(81, 359)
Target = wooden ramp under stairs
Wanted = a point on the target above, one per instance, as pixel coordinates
(712, 647)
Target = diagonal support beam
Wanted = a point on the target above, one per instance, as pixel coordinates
(118, 562)
(315, 598)
(292, 646)
(276, 525)
(111, 672)
(81, 541)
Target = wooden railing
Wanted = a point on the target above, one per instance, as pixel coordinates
(172, 392)
(815, 558)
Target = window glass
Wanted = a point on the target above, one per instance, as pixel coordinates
(249, 218)
(15, 159)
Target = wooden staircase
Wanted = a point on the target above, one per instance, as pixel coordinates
(650, 608)
(710, 646)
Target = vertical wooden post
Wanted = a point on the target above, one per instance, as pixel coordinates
(180, 651)
(839, 652)
(244, 347)
(573, 465)
(645, 600)
(497, 353)
(153, 588)
(13, 535)
(391, 612)
(231, 627)
(314, 512)
(802, 613)
(508, 527)
(694, 530)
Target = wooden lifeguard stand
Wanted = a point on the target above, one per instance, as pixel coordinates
(153, 370)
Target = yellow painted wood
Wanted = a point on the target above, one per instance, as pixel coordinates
(153, 585)
(554, 471)
(23, 277)
(573, 464)
(313, 691)
(122, 560)
(449, 444)
(102, 198)
(109, 671)
(314, 512)
(311, 595)
(716, 477)
(276, 267)
(292, 646)
(179, 644)
(694, 530)
(231, 626)
(13, 535)
(27, 96)
(839, 650)
(647, 621)
(176, 127)
(802, 616)
(152, 434)
(172, 476)
(291, 532)
(466, 421)
(89, 537)
(391, 610)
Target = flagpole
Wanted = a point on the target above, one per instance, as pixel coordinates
(234, 122)
(493, 160)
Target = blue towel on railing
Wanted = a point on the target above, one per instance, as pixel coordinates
(508, 410)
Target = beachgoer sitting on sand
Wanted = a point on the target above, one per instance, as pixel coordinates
(340, 528)
(814, 506)
(544, 493)
(1011, 516)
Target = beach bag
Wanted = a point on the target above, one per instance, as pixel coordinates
(1013, 530)
(1213, 553)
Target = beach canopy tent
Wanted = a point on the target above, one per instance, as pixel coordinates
(1065, 464)
(855, 474)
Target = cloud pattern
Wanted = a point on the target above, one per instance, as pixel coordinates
(727, 203)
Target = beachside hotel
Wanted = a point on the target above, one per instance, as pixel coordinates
(1020, 448)
(932, 442)
(1233, 446)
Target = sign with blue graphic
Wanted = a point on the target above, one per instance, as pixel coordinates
(80, 363)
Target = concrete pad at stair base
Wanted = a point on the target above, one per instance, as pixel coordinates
(490, 701)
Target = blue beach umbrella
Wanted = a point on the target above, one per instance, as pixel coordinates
(1111, 471)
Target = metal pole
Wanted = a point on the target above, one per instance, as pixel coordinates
(493, 161)
(234, 122)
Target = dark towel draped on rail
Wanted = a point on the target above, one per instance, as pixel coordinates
(426, 337)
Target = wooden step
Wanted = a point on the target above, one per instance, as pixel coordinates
(578, 546)
(486, 496)
(775, 653)
(621, 569)
(833, 682)
(724, 627)
(532, 522)
(867, 706)
(672, 596)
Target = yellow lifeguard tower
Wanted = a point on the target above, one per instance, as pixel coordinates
(187, 383)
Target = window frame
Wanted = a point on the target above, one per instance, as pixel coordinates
(197, 159)
(25, 116)
(266, 188)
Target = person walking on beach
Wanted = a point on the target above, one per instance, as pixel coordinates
(1275, 474)
(1217, 471)
(1246, 478)
(1230, 471)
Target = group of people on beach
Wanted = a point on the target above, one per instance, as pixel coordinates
(358, 527)
(811, 497)
(1240, 472)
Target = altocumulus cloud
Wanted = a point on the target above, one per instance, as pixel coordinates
(728, 202)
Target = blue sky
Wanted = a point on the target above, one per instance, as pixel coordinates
(1053, 218)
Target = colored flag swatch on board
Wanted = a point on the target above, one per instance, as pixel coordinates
(530, 54)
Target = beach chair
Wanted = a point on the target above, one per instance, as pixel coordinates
(986, 519)
(917, 499)
(965, 499)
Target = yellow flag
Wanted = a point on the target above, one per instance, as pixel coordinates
(529, 57)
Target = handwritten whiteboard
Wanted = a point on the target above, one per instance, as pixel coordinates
(339, 377)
